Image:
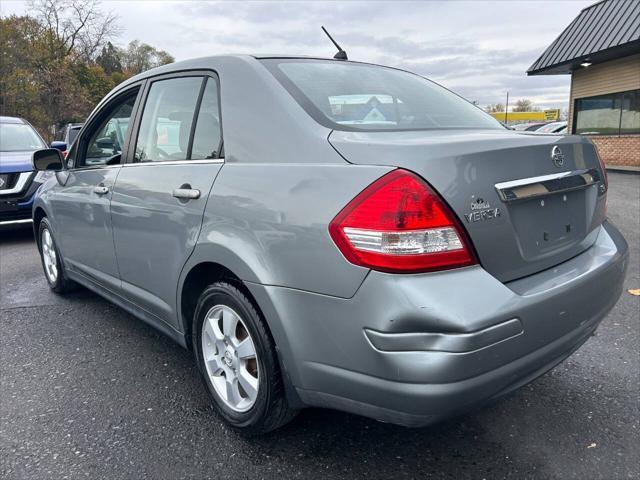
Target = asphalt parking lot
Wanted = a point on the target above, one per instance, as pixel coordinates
(88, 391)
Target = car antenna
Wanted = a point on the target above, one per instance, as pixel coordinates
(341, 55)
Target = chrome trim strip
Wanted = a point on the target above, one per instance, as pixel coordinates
(444, 342)
(177, 162)
(23, 178)
(92, 167)
(15, 222)
(532, 187)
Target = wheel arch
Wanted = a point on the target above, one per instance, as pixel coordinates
(197, 275)
(38, 215)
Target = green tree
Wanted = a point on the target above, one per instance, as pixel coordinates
(18, 81)
(58, 62)
(109, 59)
(493, 108)
(138, 57)
(525, 105)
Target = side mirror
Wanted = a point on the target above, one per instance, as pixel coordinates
(104, 142)
(48, 159)
(62, 146)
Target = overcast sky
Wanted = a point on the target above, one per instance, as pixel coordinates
(479, 49)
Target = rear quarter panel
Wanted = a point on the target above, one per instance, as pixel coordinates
(268, 223)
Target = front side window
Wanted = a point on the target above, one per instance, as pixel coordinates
(106, 142)
(353, 96)
(611, 114)
(19, 137)
(167, 120)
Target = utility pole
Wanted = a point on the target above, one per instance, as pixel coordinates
(506, 109)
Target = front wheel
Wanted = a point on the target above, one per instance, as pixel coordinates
(238, 362)
(51, 260)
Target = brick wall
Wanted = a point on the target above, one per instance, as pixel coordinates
(619, 150)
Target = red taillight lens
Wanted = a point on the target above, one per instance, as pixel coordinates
(398, 224)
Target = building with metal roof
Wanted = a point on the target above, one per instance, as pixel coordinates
(600, 49)
(604, 31)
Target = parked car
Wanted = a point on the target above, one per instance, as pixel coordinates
(18, 181)
(69, 134)
(528, 127)
(334, 234)
(553, 127)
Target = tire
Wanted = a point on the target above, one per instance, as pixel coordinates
(249, 412)
(52, 260)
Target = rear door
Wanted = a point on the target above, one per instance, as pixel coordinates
(161, 192)
(81, 205)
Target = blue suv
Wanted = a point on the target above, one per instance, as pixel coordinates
(18, 180)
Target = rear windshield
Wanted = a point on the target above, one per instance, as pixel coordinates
(353, 96)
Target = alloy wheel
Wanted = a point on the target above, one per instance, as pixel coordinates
(230, 358)
(49, 256)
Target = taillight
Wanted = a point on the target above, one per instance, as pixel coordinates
(398, 224)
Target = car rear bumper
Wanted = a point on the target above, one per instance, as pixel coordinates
(413, 349)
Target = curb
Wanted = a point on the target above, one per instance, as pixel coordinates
(623, 169)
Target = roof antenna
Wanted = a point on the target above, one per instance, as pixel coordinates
(341, 55)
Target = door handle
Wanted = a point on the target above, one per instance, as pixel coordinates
(186, 193)
(100, 189)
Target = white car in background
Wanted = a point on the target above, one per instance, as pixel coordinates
(553, 127)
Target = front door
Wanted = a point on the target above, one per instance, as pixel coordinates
(81, 205)
(159, 198)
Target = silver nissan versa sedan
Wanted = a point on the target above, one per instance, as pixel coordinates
(334, 234)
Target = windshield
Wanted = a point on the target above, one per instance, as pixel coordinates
(353, 96)
(18, 137)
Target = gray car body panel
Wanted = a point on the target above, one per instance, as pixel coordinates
(263, 214)
(333, 364)
(464, 166)
(149, 222)
(83, 224)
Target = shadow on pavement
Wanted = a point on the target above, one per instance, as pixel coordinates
(15, 233)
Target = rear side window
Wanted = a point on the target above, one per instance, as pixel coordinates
(353, 96)
(167, 120)
(207, 139)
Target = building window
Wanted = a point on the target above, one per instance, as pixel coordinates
(611, 114)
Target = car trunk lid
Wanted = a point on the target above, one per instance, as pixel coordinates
(523, 210)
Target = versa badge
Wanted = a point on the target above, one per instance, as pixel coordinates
(481, 211)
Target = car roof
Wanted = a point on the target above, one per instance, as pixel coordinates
(203, 61)
(12, 120)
